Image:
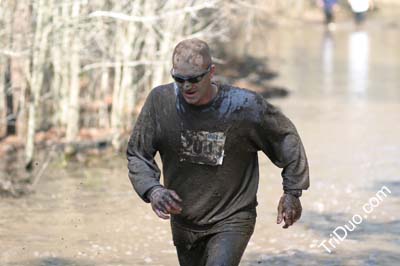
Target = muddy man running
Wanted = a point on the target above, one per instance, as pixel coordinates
(208, 136)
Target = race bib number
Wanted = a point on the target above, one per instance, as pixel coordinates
(202, 147)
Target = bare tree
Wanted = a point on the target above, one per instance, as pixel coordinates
(56, 57)
(6, 70)
(2, 93)
(39, 48)
(73, 108)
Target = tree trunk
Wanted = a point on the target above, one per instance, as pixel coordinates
(104, 120)
(56, 55)
(2, 95)
(151, 44)
(116, 107)
(130, 52)
(173, 29)
(73, 114)
(8, 92)
(250, 17)
(39, 47)
(137, 78)
(10, 116)
(65, 76)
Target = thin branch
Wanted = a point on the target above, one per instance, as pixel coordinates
(144, 19)
(115, 64)
(14, 54)
(243, 4)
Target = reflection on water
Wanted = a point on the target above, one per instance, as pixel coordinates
(358, 61)
(328, 53)
(346, 106)
(347, 64)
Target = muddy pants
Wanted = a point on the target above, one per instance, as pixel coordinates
(222, 244)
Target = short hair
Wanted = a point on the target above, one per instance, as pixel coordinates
(194, 52)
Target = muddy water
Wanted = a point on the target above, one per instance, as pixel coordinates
(346, 105)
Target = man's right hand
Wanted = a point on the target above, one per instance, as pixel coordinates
(164, 202)
(289, 210)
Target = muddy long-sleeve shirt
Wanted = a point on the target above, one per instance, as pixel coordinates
(209, 152)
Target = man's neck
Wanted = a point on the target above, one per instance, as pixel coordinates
(212, 92)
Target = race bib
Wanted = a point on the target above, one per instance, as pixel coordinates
(202, 147)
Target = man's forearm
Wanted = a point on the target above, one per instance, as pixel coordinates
(294, 192)
(143, 173)
(148, 192)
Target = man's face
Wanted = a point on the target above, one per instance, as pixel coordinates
(198, 93)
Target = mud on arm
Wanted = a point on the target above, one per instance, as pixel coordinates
(282, 144)
(144, 173)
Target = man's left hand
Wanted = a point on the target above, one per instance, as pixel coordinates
(289, 210)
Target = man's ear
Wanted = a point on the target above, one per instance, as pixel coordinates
(212, 71)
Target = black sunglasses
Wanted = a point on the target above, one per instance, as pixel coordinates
(194, 79)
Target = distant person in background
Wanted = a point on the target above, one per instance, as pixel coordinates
(360, 8)
(329, 7)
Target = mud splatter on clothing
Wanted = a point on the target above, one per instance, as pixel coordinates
(202, 147)
(209, 152)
